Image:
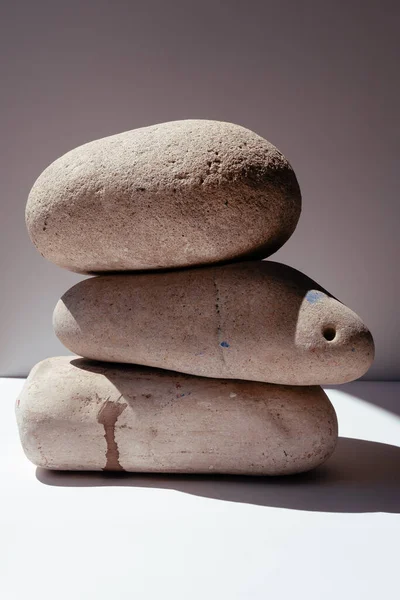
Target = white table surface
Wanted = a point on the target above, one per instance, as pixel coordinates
(333, 534)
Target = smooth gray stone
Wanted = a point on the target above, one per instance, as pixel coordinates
(259, 321)
(74, 414)
(172, 195)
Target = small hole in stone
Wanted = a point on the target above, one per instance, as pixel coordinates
(329, 333)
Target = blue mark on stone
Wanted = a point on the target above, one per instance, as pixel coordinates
(183, 395)
(353, 349)
(224, 345)
(313, 296)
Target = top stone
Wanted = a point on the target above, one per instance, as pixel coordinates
(173, 195)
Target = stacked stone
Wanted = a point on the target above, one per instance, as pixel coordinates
(198, 356)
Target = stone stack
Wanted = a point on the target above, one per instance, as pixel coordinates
(198, 356)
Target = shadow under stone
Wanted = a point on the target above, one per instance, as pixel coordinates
(361, 476)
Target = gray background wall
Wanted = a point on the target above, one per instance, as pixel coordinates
(319, 79)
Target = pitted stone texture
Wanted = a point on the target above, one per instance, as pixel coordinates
(260, 321)
(77, 415)
(172, 195)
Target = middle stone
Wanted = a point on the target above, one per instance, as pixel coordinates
(260, 321)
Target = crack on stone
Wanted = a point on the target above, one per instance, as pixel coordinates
(219, 328)
(108, 416)
(42, 454)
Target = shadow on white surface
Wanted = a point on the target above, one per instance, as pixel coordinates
(361, 476)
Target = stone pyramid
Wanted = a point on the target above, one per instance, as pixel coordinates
(193, 354)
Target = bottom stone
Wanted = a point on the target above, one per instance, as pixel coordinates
(76, 414)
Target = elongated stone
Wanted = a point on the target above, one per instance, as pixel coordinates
(259, 321)
(78, 415)
(171, 195)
